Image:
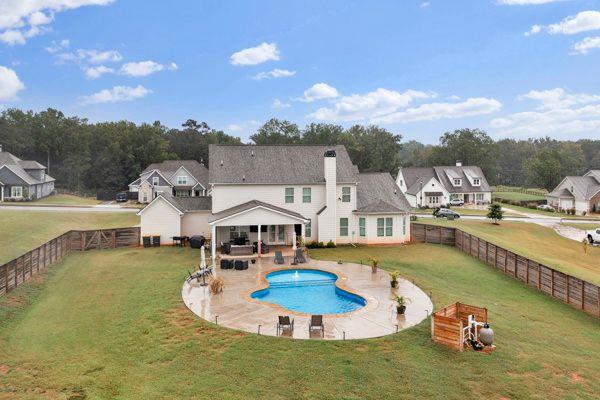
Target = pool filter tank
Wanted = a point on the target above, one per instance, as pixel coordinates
(486, 335)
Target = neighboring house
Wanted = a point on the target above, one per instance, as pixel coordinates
(581, 193)
(436, 186)
(179, 178)
(266, 193)
(23, 179)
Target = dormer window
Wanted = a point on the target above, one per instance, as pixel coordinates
(155, 180)
(182, 180)
(457, 182)
(476, 182)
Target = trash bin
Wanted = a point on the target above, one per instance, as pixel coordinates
(197, 241)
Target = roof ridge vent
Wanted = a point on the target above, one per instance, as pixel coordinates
(252, 153)
(221, 162)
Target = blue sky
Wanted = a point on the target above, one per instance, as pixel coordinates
(419, 68)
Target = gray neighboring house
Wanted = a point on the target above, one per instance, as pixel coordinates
(23, 179)
(581, 193)
(177, 178)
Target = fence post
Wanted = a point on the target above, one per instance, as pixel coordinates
(568, 288)
(582, 294)
(527, 272)
(425, 228)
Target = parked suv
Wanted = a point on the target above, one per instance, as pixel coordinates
(457, 202)
(445, 213)
(593, 236)
(545, 207)
(121, 197)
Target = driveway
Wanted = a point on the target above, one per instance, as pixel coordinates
(97, 208)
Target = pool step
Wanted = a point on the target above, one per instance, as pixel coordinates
(315, 282)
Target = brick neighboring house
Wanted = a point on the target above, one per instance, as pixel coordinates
(23, 179)
(581, 193)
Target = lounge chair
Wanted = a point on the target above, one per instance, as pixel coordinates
(278, 258)
(285, 323)
(238, 265)
(300, 256)
(316, 323)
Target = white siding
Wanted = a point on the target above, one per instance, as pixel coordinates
(162, 219)
(183, 172)
(195, 223)
(398, 233)
(433, 185)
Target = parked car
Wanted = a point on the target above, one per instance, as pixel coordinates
(457, 202)
(593, 236)
(545, 207)
(121, 197)
(445, 213)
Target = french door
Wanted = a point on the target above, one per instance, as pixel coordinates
(276, 234)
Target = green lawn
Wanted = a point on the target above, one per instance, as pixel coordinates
(111, 324)
(536, 242)
(517, 196)
(67, 199)
(583, 226)
(463, 211)
(543, 213)
(23, 230)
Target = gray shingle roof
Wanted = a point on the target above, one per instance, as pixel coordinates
(169, 167)
(413, 176)
(284, 164)
(466, 186)
(31, 164)
(188, 204)
(249, 205)
(560, 193)
(583, 186)
(378, 192)
(18, 167)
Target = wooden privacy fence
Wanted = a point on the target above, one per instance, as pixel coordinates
(447, 324)
(576, 292)
(21, 269)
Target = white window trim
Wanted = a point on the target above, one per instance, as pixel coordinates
(457, 182)
(349, 194)
(12, 192)
(182, 180)
(155, 180)
(476, 182)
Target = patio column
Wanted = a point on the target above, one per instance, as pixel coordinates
(259, 242)
(303, 233)
(213, 245)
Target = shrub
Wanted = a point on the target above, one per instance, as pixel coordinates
(330, 244)
(315, 245)
(413, 218)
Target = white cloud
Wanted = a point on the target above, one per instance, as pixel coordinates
(241, 126)
(55, 47)
(558, 98)
(89, 56)
(526, 2)
(234, 128)
(117, 94)
(275, 73)
(319, 91)
(255, 55)
(434, 111)
(587, 44)
(424, 4)
(141, 68)
(369, 106)
(21, 19)
(280, 104)
(10, 84)
(558, 114)
(97, 72)
(582, 22)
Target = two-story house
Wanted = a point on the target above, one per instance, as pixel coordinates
(23, 179)
(268, 193)
(436, 186)
(180, 178)
(581, 193)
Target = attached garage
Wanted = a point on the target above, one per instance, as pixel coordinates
(167, 216)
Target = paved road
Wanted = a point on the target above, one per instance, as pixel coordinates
(98, 208)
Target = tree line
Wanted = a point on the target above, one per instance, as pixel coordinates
(90, 157)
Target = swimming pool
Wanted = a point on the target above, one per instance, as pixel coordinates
(309, 291)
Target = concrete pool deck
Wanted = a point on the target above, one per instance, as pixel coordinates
(235, 309)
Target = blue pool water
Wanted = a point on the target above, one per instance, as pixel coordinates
(308, 290)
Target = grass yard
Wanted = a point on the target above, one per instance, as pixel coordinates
(516, 196)
(536, 242)
(463, 211)
(583, 226)
(66, 199)
(111, 325)
(23, 230)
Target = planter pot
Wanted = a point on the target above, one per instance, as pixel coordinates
(373, 269)
(400, 309)
(394, 284)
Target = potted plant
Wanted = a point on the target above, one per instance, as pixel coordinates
(394, 279)
(401, 303)
(374, 264)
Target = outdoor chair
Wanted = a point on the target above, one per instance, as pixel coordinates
(147, 240)
(285, 323)
(278, 258)
(225, 264)
(316, 324)
(240, 265)
(300, 256)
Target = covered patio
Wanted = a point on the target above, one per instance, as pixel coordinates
(245, 229)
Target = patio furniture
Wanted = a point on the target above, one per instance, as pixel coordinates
(225, 248)
(278, 258)
(197, 241)
(240, 241)
(285, 323)
(155, 241)
(178, 241)
(147, 241)
(264, 248)
(241, 250)
(241, 265)
(300, 256)
(316, 324)
(226, 264)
